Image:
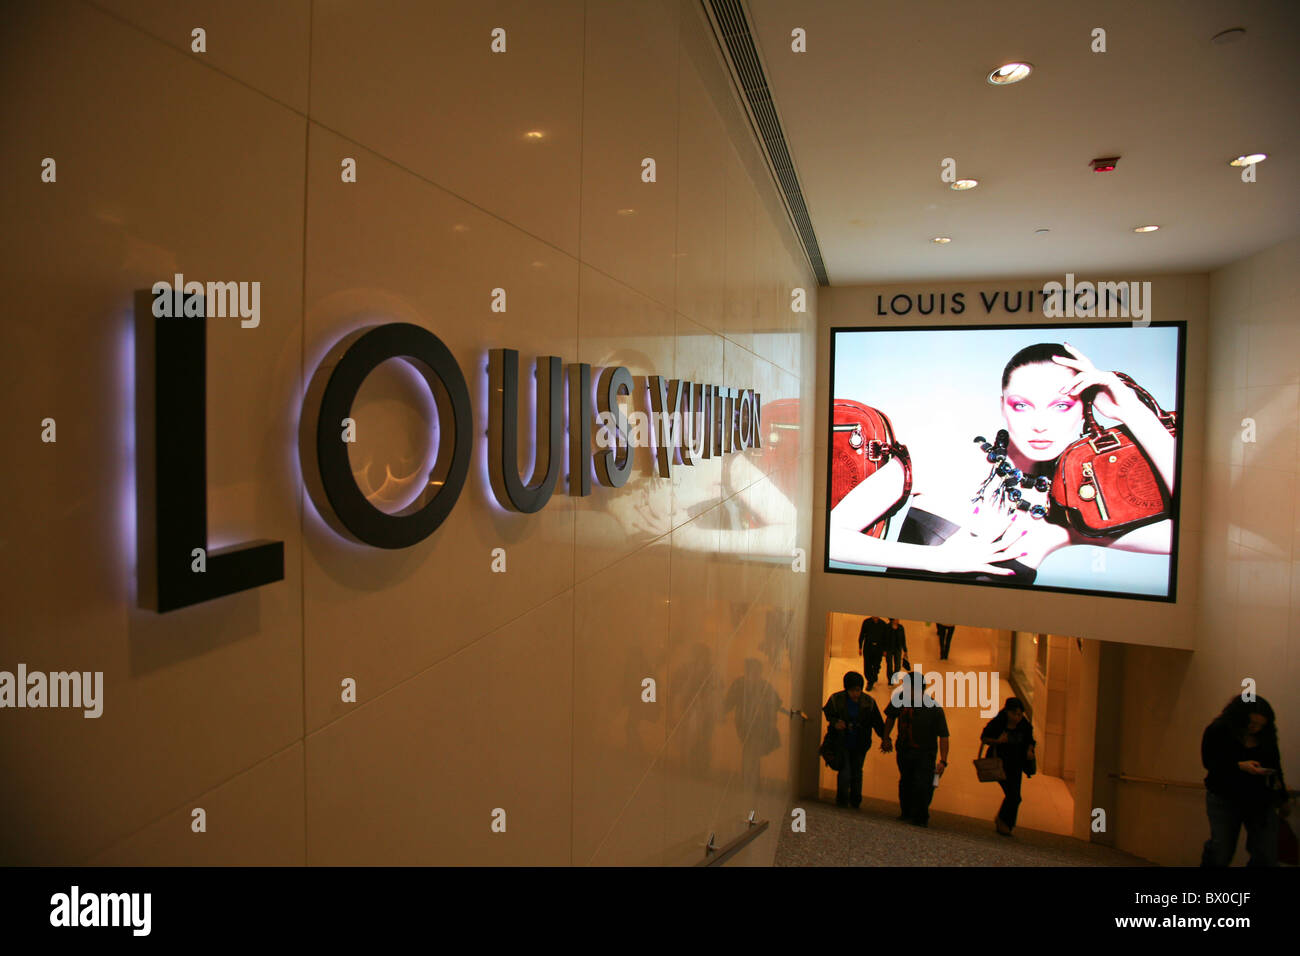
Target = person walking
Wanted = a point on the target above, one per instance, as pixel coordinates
(945, 639)
(1010, 736)
(871, 644)
(1244, 784)
(895, 648)
(921, 749)
(853, 715)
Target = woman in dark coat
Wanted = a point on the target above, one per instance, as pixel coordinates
(1010, 736)
(1244, 784)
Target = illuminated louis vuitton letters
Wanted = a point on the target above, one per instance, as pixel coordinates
(690, 422)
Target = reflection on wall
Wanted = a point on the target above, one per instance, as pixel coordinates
(686, 580)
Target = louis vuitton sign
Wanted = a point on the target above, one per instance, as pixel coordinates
(689, 422)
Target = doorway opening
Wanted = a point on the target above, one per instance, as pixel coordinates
(982, 668)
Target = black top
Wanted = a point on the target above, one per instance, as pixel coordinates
(1019, 739)
(872, 633)
(922, 527)
(868, 719)
(896, 639)
(1221, 750)
(919, 728)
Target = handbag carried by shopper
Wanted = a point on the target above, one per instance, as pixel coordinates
(1104, 482)
(988, 769)
(830, 749)
(863, 442)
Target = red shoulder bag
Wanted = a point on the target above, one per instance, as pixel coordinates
(862, 442)
(1105, 482)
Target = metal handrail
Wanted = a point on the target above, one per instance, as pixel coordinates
(716, 856)
(1129, 778)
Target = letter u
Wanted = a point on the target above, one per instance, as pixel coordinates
(503, 431)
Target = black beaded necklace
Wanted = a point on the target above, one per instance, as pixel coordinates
(1012, 483)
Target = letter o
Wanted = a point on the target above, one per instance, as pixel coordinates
(425, 352)
(893, 304)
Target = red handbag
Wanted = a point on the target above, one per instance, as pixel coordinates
(1105, 482)
(781, 421)
(863, 442)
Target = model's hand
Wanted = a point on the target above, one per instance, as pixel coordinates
(965, 550)
(839, 725)
(1113, 398)
(1002, 739)
(1252, 766)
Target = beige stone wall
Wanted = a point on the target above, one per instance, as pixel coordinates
(476, 690)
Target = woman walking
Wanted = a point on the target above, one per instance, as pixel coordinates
(1244, 784)
(1010, 736)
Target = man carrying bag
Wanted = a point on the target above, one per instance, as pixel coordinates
(852, 716)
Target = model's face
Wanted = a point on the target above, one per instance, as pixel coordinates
(1256, 724)
(855, 693)
(1013, 717)
(1040, 420)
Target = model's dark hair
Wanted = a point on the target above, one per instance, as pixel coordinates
(1236, 717)
(1038, 354)
(1014, 703)
(853, 679)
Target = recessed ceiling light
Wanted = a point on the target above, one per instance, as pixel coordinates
(963, 184)
(941, 240)
(1249, 159)
(627, 212)
(1010, 73)
(534, 134)
(1145, 228)
(1228, 36)
(1041, 232)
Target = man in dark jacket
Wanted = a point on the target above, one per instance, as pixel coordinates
(852, 716)
(872, 639)
(895, 640)
(922, 749)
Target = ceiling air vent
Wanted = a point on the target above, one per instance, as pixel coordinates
(732, 27)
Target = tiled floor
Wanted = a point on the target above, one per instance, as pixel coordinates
(1047, 804)
(872, 837)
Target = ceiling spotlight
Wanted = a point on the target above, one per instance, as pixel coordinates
(941, 240)
(1104, 165)
(1250, 159)
(963, 184)
(1010, 73)
(534, 134)
(1228, 36)
(1041, 232)
(1145, 228)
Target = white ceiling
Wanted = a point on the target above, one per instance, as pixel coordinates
(887, 90)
